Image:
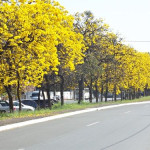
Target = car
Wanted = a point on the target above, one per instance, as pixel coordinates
(29, 103)
(23, 107)
(4, 107)
(41, 103)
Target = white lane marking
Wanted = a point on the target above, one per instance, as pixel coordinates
(127, 112)
(92, 124)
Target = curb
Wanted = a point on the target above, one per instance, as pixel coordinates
(35, 121)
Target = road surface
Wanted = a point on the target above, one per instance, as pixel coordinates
(121, 128)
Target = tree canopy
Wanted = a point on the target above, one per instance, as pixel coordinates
(40, 37)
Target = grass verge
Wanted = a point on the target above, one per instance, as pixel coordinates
(58, 109)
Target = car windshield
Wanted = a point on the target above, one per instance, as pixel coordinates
(4, 103)
(16, 103)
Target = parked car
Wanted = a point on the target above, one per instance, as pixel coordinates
(4, 106)
(29, 103)
(46, 102)
(23, 107)
(41, 103)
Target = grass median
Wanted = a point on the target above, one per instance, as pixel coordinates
(58, 109)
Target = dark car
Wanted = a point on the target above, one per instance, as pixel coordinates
(30, 103)
(41, 102)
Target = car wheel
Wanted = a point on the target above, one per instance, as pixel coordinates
(2, 111)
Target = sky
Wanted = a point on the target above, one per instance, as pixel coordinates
(128, 18)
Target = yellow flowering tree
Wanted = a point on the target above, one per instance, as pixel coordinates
(69, 52)
(30, 32)
(92, 30)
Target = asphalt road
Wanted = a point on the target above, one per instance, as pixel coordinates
(121, 128)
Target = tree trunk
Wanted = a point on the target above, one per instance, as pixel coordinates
(81, 88)
(112, 97)
(102, 91)
(121, 95)
(106, 94)
(48, 90)
(130, 94)
(62, 90)
(8, 90)
(18, 95)
(49, 99)
(90, 91)
(54, 89)
(18, 91)
(134, 94)
(139, 91)
(44, 101)
(146, 90)
(39, 98)
(144, 94)
(96, 93)
(115, 95)
(127, 94)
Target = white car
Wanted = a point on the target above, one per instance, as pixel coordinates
(23, 107)
(4, 107)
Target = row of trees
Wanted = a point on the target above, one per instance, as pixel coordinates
(42, 45)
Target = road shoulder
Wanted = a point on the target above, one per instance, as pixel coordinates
(20, 122)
